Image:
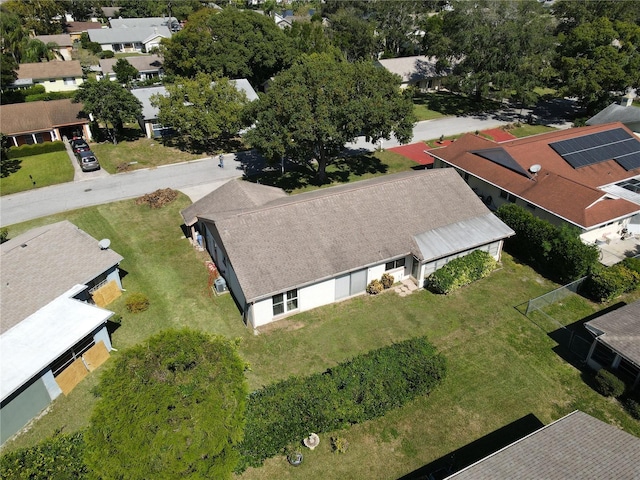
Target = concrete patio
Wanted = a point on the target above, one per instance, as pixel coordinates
(617, 249)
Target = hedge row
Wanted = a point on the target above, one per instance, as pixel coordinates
(361, 389)
(557, 252)
(48, 96)
(59, 457)
(35, 149)
(606, 283)
(461, 271)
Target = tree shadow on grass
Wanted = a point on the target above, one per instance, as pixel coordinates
(454, 104)
(297, 176)
(9, 166)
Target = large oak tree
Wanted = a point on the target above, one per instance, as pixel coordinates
(312, 110)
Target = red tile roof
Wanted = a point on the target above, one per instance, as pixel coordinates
(572, 194)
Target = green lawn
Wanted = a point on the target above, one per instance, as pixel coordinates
(502, 366)
(36, 171)
(422, 112)
(527, 130)
(138, 153)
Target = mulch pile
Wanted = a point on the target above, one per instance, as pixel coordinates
(159, 198)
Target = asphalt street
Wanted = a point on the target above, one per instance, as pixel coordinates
(199, 177)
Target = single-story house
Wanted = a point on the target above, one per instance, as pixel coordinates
(62, 40)
(149, 120)
(584, 177)
(39, 122)
(145, 22)
(624, 112)
(51, 331)
(575, 446)
(76, 29)
(616, 343)
(417, 71)
(129, 40)
(148, 66)
(55, 76)
(281, 255)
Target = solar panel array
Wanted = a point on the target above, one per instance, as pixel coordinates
(616, 144)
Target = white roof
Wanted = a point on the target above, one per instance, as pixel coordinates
(108, 36)
(33, 344)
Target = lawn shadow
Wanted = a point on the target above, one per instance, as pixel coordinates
(477, 450)
(9, 166)
(449, 103)
(296, 176)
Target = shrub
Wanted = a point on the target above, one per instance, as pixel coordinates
(387, 280)
(137, 302)
(607, 384)
(375, 287)
(339, 444)
(36, 149)
(633, 407)
(632, 263)
(555, 251)
(48, 96)
(361, 389)
(105, 54)
(60, 456)
(461, 271)
(4, 234)
(604, 284)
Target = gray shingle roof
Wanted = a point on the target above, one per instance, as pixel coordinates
(630, 116)
(45, 262)
(235, 195)
(577, 446)
(412, 69)
(62, 39)
(40, 116)
(53, 69)
(620, 330)
(140, 22)
(293, 241)
(108, 36)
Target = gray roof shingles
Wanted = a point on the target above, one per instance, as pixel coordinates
(43, 263)
(576, 446)
(621, 330)
(108, 36)
(300, 239)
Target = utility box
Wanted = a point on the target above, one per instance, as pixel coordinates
(220, 284)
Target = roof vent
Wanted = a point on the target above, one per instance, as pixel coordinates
(535, 168)
(104, 243)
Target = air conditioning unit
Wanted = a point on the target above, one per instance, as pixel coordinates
(220, 284)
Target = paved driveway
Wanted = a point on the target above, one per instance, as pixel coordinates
(79, 175)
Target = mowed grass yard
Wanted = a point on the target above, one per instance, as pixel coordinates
(35, 171)
(139, 153)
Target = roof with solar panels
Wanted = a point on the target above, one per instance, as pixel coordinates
(587, 176)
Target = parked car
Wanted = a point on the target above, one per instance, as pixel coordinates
(79, 145)
(87, 161)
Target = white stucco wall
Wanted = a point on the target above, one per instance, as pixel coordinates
(58, 85)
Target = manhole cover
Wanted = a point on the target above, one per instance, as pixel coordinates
(87, 189)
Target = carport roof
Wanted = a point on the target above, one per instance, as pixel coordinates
(620, 331)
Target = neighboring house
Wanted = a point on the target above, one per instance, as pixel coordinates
(586, 177)
(129, 39)
(63, 41)
(418, 71)
(294, 253)
(54, 76)
(148, 66)
(287, 17)
(575, 446)
(149, 120)
(39, 122)
(171, 23)
(616, 343)
(624, 112)
(51, 332)
(76, 29)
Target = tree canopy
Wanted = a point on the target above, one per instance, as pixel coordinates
(170, 408)
(318, 105)
(110, 103)
(229, 43)
(506, 45)
(125, 72)
(204, 111)
(40, 16)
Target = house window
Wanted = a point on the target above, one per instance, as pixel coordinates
(531, 206)
(70, 81)
(503, 194)
(394, 264)
(279, 304)
(466, 177)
